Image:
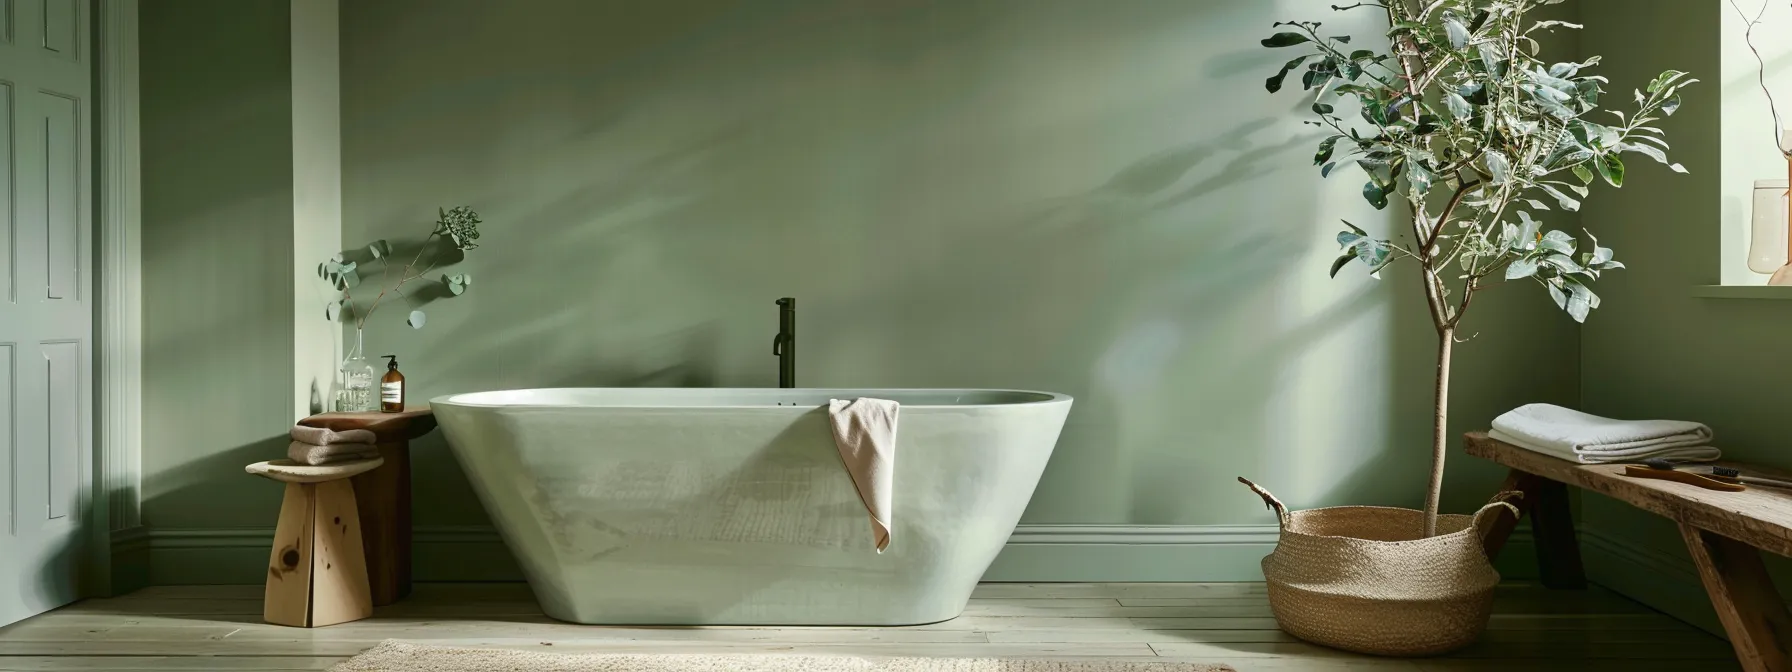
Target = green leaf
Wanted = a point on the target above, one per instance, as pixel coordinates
(1326, 147)
(1557, 241)
(1611, 169)
(1527, 232)
(1418, 175)
(1326, 171)
(1666, 78)
(1580, 301)
(1355, 229)
(1580, 171)
(1285, 40)
(455, 287)
(1347, 239)
(1341, 262)
(1671, 106)
(1274, 84)
(1392, 113)
(380, 249)
(1556, 293)
(1650, 151)
(348, 279)
(1562, 199)
(1563, 264)
(1498, 166)
(1458, 105)
(1458, 33)
(1375, 195)
(416, 319)
(1521, 268)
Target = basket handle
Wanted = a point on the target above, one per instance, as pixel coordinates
(1499, 500)
(1269, 501)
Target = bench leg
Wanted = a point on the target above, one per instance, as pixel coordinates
(1745, 599)
(1552, 525)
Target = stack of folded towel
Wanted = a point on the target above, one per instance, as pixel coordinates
(1590, 439)
(316, 445)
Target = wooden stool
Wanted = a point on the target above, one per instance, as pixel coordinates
(317, 574)
(384, 494)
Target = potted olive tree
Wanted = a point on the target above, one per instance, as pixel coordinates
(1463, 124)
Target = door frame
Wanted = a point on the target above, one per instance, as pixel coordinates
(114, 502)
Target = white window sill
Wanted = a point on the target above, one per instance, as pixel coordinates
(1742, 292)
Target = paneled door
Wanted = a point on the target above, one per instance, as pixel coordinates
(46, 301)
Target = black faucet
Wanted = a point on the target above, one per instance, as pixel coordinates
(784, 344)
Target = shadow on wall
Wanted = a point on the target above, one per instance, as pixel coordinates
(1005, 194)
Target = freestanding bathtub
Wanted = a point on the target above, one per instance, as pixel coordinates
(732, 507)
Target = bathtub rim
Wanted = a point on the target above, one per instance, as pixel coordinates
(1048, 398)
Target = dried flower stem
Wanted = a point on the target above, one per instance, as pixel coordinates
(1748, 37)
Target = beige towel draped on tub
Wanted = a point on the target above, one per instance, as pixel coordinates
(865, 433)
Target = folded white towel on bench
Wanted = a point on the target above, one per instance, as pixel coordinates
(1590, 439)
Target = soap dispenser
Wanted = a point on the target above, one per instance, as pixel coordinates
(392, 387)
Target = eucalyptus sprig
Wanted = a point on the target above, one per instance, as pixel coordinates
(1463, 119)
(458, 227)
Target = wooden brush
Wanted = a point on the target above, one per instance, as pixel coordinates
(1664, 470)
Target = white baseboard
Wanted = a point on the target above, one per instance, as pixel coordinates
(1035, 553)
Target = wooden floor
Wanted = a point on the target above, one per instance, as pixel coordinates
(220, 628)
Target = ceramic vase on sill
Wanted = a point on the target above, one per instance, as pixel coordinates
(1771, 232)
(358, 393)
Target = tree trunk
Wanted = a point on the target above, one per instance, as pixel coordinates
(1446, 339)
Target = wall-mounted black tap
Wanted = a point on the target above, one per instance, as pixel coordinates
(784, 344)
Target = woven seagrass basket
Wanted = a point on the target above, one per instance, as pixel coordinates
(1366, 579)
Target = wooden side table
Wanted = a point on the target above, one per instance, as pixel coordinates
(384, 494)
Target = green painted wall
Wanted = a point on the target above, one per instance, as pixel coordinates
(1654, 350)
(217, 257)
(1093, 198)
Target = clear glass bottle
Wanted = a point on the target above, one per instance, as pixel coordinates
(1767, 244)
(359, 382)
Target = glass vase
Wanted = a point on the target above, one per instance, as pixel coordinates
(359, 382)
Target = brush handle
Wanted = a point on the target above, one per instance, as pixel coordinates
(1769, 482)
(1683, 477)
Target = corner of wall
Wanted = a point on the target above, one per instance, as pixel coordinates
(317, 198)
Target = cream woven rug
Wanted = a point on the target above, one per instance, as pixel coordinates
(394, 656)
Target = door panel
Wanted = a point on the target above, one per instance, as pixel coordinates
(46, 324)
(63, 390)
(58, 185)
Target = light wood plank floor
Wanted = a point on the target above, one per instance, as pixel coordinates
(220, 628)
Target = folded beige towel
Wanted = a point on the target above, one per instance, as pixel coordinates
(305, 453)
(318, 436)
(865, 434)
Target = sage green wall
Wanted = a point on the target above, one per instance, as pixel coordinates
(1653, 349)
(217, 257)
(1095, 198)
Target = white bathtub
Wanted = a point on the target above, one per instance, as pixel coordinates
(731, 507)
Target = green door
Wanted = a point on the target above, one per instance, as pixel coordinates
(46, 301)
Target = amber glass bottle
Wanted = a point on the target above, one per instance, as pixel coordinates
(392, 387)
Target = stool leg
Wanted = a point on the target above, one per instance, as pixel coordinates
(287, 599)
(339, 586)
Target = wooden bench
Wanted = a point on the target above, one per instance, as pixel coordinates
(1722, 532)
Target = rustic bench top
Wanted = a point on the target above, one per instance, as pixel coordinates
(1760, 516)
